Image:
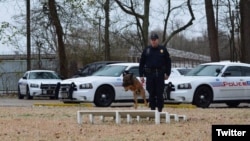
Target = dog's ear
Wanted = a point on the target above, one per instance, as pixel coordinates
(125, 72)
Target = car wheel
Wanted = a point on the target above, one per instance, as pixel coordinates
(233, 104)
(104, 96)
(19, 93)
(203, 97)
(28, 96)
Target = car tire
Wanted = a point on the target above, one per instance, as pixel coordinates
(28, 96)
(20, 96)
(203, 97)
(233, 104)
(104, 96)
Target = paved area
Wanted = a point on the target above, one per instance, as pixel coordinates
(23, 102)
(15, 102)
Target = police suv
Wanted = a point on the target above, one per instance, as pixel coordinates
(216, 82)
(39, 83)
(102, 88)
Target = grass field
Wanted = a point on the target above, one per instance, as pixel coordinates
(52, 123)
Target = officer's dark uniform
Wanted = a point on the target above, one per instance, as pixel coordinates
(154, 63)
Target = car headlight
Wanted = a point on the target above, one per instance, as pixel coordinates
(184, 86)
(86, 86)
(33, 85)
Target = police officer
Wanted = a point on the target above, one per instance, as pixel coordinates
(155, 65)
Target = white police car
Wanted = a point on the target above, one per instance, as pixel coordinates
(102, 88)
(179, 71)
(216, 82)
(39, 83)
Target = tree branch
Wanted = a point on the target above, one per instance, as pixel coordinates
(189, 23)
(131, 11)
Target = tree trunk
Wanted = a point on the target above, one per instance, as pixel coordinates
(245, 30)
(145, 24)
(212, 31)
(106, 36)
(28, 35)
(59, 32)
(142, 27)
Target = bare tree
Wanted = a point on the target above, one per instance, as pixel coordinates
(212, 31)
(28, 34)
(234, 50)
(245, 30)
(179, 29)
(107, 44)
(59, 32)
(142, 28)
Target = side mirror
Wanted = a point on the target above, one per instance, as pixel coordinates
(217, 70)
(24, 77)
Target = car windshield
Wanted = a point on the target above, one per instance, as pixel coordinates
(43, 75)
(205, 70)
(184, 71)
(110, 70)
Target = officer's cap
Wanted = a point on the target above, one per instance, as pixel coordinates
(154, 36)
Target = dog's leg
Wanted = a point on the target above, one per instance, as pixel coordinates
(143, 94)
(126, 88)
(135, 99)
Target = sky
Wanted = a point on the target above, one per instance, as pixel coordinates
(7, 10)
(13, 7)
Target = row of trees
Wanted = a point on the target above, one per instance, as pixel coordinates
(90, 30)
(237, 21)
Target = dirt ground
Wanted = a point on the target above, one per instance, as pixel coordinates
(47, 123)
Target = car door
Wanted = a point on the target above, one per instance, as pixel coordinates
(246, 76)
(233, 84)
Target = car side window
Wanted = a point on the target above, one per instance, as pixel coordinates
(135, 71)
(25, 76)
(32, 75)
(99, 66)
(85, 71)
(92, 68)
(234, 71)
(246, 71)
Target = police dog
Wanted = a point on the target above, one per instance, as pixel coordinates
(130, 82)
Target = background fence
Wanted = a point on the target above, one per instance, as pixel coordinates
(12, 70)
(12, 67)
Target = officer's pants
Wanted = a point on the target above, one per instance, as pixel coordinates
(155, 88)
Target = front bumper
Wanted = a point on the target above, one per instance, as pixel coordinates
(70, 92)
(45, 90)
(178, 95)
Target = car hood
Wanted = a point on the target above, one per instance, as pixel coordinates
(90, 79)
(188, 79)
